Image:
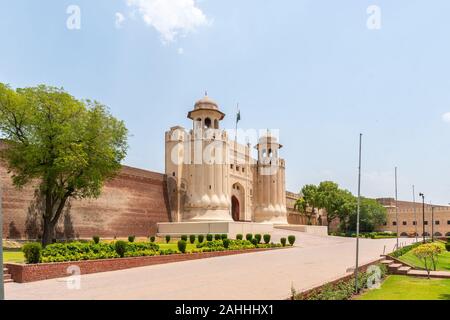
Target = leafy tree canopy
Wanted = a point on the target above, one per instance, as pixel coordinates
(70, 146)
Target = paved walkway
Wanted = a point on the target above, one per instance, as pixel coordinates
(260, 275)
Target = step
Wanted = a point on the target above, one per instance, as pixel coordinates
(6, 276)
(387, 262)
(394, 266)
(403, 270)
(8, 281)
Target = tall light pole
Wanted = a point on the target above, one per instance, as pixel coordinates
(357, 214)
(415, 214)
(432, 223)
(396, 204)
(423, 215)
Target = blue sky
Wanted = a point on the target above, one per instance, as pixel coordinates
(312, 69)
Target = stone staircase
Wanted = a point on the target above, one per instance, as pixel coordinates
(7, 276)
(395, 267)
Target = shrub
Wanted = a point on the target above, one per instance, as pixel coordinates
(121, 247)
(283, 242)
(182, 246)
(258, 238)
(447, 246)
(217, 237)
(239, 237)
(200, 238)
(192, 238)
(184, 237)
(428, 253)
(96, 239)
(255, 242)
(224, 236)
(291, 240)
(266, 238)
(32, 252)
(209, 237)
(167, 238)
(226, 243)
(152, 239)
(249, 236)
(131, 238)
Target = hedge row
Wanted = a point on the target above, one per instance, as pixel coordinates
(343, 290)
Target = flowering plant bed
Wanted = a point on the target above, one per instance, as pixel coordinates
(41, 271)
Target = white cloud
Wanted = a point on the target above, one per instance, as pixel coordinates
(446, 117)
(119, 20)
(170, 18)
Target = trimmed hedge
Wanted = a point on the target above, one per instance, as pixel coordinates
(283, 242)
(200, 238)
(182, 246)
(258, 238)
(192, 238)
(131, 238)
(266, 238)
(249, 237)
(32, 252)
(184, 237)
(239, 237)
(96, 239)
(167, 239)
(121, 248)
(209, 237)
(291, 240)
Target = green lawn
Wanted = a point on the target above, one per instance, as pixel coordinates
(409, 288)
(443, 261)
(174, 246)
(13, 256)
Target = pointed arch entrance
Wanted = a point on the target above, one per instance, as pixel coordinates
(238, 202)
(235, 210)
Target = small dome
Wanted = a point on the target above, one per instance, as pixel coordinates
(206, 103)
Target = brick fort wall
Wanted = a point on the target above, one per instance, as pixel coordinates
(130, 204)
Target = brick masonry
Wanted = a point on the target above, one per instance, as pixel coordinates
(35, 272)
(130, 204)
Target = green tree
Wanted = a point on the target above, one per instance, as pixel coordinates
(310, 199)
(428, 253)
(328, 199)
(372, 214)
(69, 147)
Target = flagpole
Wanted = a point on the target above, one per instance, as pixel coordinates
(396, 206)
(357, 215)
(235, 134)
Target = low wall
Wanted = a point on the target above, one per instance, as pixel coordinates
(219, 227)
(35, 272)
(317, 230)
(347, 277)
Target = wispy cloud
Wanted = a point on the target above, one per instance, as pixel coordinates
(171, 18)
(446, 117)
(119, 20)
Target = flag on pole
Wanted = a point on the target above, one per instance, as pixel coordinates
(238, 116)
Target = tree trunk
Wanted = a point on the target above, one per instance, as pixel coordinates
(49, 229)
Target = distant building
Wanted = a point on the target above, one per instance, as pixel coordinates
(410, 218)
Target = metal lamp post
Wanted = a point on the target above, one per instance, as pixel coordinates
(357, 214)
(432, 223)
(423, 215)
